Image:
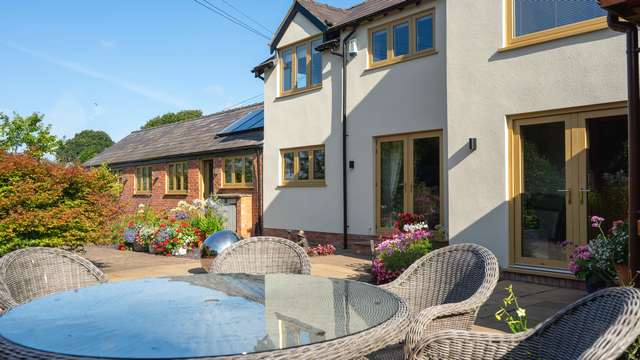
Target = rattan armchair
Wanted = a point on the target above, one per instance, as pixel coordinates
(444, 290)
(30, 273)
(600, 326)
(262, 255)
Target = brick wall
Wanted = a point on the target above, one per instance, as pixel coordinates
(248, 212)
(317, 237)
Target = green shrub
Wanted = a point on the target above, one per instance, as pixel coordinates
(46, 204)
(400, 260)
(208, 224)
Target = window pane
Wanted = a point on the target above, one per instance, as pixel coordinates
(288, 166)
(318, 164)
(248, 170)
(535, 15)
(401, 39)
(237, 170)
(316, 63)
(379, 45)
(178, 170)
(145, 178)
(391, 181)
(303, 165)
(185, 176)
(172, 175)
(426, 179)
(228, 171)
(138, 179)
(287, 60)
(301, 66)
(424, 33)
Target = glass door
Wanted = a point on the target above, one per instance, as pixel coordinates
(408, 178)
(544, 199)
(566, 168)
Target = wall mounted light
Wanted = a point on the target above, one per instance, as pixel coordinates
(352, 164)
(473, 144)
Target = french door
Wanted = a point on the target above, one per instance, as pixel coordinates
(408, 177)
(566, 168)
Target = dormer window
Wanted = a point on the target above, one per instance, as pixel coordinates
(301, 67)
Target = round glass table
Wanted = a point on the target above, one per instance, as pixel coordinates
(208, 316)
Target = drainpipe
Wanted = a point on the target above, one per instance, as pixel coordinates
(345, 216)
(260, 187)
(634, 134)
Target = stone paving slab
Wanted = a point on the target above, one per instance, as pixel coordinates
(540, 301)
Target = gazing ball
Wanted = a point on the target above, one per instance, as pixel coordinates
(214, 245)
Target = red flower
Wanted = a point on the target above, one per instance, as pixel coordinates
(163, 226)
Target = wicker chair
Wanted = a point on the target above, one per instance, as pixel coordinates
(262, 255)
(444, 290)
(600, 326)
(29, 273)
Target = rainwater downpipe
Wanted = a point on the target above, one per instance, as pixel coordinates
(345, 215)
(634, 134)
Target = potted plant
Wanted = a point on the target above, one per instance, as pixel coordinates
(603, 261)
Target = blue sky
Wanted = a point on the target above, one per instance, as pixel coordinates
(112, 65)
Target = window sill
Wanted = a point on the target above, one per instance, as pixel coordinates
(236, 187)
(298, 91)
(397, 60)
(555, 34)
(176, 193)
(299, 184)
(142, 194)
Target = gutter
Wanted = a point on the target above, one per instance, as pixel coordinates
(633, 91)
(345, 207)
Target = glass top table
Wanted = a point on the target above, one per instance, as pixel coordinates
(208, 315)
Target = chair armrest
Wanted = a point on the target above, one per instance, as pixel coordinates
(457, 344)
(455, 316)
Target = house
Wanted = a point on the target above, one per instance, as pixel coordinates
(504, 121)
(219, 154)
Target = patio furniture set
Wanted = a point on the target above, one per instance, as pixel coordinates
(259, 301)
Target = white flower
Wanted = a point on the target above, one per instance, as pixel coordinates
(140, 206)
(415, 227)
(521, 312)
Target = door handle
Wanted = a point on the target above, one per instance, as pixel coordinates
(567, 192)
(582, 192)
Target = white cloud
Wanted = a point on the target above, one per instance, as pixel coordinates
(108, 44)
(215, 89)
(68, 116)
(86, 71)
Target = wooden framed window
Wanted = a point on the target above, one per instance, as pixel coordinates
(404, 39)
(143, 180)
(409, 178)
(178, 178)
(303, 166)
(533, 21)
(301, 67)
(238, 172)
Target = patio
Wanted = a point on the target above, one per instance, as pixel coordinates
(540, 301)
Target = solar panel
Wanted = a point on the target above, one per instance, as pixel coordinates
(250, 121)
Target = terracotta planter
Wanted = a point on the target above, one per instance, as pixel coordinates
(624, 274)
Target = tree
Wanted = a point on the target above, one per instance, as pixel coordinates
(27, 134)
(170, 118)
(83, 146)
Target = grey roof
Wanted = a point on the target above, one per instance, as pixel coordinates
(367, 8)
(190, 137)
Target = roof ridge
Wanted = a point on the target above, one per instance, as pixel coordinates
(198, 118)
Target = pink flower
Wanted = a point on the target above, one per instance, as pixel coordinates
(596, 221)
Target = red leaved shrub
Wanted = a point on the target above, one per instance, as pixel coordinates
(47, 204)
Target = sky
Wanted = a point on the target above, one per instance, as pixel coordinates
(112, 65)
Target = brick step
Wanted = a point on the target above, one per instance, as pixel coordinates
(360, 247)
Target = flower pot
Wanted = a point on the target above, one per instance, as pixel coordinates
(140, 247)
(624, 274)
(595, 283)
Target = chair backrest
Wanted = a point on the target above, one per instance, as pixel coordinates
(448, 275)
(262, 255)
(599, 326)
(29, 273)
